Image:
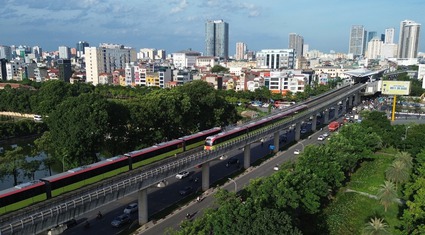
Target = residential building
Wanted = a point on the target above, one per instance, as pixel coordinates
(389, 36)
(240, 51)
(409, 39)
(81, 45)
(3, 73)
(182, 77)
(105, 59)
(217, 39)
(276, 58)
(206, 61)
(357, 40)
(421, 72)
(287, 80)
(296, 42)
(147, 54)
(64, 52)
(374, 47)
(185, 59)
(389, 50)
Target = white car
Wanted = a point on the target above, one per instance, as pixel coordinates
(321, 138)
(303, 131)
(276, 168)
(182, 175)
(297, 151)
(131, 208)
(223, 157)
(326, 134)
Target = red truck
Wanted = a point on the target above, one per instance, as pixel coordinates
(333, 126)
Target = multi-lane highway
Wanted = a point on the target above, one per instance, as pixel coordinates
(161, 198)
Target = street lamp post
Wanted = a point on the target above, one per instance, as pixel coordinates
(236, 186)
(63, 163)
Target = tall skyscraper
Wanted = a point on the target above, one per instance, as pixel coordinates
(240, 51)
(296, 42)
(65, 70)
(64, 52)
(80, 48)
(409, 39)
(371, 35)
(389, 36)
(6, 52)
(217, 38)
(357, 40)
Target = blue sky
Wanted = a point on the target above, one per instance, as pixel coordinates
(175, 25)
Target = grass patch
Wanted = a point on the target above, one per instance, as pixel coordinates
(350, 211)
(371, 174)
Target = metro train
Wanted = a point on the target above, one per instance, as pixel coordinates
(212, 142)
(43, 189)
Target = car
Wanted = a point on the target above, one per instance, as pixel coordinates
(321, 138)
(121, 220)
(303, 131)
(326, 134)
(276, 167)
(232, 161)
(297, 151)
(70, 223)
(182, 175)
(131, 208)
(186, 191)
(223, 157)
(38, 118)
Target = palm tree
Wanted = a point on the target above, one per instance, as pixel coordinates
(375, 226)
(387, 194)
(397, 173)
(405, 158)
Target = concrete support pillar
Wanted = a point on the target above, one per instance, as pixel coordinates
(142, 201)
(356, 98)
(350, 101)
(326, 116)
(205, 176)
(276, 141)
(297, 131)
(314, 122)
(247, 156)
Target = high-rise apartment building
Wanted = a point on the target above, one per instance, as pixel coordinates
(64, 52)
(106, 59)
(389, 36)
(6, 52)
(217, 38)
(409, 39)
(357, 40)
(374, 48)
(296, 42)
(240, 51)
(80, 48)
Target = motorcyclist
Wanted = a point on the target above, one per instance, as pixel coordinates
(99, 215)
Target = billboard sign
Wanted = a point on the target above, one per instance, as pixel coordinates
(395, 87)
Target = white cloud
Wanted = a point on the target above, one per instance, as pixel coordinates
(180, 7)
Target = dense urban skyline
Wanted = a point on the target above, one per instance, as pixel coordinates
(180, 24)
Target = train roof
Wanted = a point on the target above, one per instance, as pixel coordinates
(20, 188)
(82, 169)
(153, 148)
(231, 131)
(201, 133)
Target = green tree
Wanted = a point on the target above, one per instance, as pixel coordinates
(376, 226)
(11, 163)
(50, 95)
(218, 68)
(78, 127)
(44, 144)
(414, 215)
(387, 194)
(397, 173)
